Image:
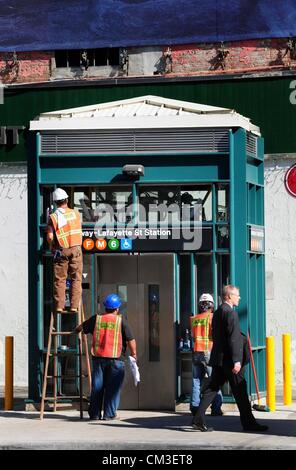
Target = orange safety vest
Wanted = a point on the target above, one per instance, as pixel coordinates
(107, 337)
(70, 234)
(201, 329)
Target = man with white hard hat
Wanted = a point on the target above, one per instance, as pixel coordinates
(201, 331)
(64, 236)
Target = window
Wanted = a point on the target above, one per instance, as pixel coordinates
(223, 203)
(46, 203)
(159, 205)
(204, 274)
(223, 237)
(111, 204)
(153, 309)
(192, 203)
(81, 202)
(87, 57)
(223, 264)
(122, 293)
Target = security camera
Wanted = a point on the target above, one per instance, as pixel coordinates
(133, 170)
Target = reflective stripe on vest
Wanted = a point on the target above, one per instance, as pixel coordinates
(107, 337)
(201, 328)
(70, 234)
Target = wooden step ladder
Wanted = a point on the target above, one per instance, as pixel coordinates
(56, 352)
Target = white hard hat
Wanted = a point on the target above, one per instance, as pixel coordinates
(59, 194)
(206, 298)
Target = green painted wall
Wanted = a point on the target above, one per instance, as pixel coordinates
(266, 101)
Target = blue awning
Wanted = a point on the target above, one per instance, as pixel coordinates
(74, 24)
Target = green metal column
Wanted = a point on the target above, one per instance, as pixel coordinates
(261, 220)
(193, 283)
(177, 319)
(238, 222)
(260, 354)
(214, 254)
(34, 278)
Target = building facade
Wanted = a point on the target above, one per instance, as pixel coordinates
(256, 78)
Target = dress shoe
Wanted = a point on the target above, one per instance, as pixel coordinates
(201, 428)
(255, 428)
(217, 413)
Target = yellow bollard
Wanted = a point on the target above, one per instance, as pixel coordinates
(8, 397)
(287, 372)
(270, 373)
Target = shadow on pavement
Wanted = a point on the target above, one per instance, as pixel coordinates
(36, 416)
(177, 422)
(277, 427)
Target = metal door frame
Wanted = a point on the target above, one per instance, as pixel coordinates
(176, 298)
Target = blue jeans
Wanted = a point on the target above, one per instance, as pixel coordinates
(199, 369)
(107, 380)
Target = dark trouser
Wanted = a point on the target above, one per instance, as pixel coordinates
(107, 380)
(238, 386)
(200, 368)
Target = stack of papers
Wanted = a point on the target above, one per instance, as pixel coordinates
(134, 370)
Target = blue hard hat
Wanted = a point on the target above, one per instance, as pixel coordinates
(112, 301)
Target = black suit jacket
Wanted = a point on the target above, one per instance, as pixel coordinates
(228, 342)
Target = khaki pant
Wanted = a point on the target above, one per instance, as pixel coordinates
(70, 262)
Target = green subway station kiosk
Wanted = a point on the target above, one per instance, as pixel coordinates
(171, 197)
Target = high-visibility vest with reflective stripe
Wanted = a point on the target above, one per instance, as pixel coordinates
(70, 234)
(201, 330)
(107, 337)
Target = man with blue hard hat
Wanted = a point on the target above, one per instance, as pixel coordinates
(111, 335)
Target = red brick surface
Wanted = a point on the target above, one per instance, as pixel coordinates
(30, 67)
(243, 55)
(191, 59)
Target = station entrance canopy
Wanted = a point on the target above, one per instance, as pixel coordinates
(144, 112)
(204, 167)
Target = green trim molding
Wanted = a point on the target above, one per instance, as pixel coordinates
(268, 102)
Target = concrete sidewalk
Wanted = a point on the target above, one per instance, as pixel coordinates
(137, 430)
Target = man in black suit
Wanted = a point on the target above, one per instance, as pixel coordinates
(227, 360)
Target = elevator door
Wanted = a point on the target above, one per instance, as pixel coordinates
(145, 283)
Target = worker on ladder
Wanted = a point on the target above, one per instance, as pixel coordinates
(111, 335)
(64, 236)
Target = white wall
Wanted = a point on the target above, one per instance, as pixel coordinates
(280, 222)
(14, 268)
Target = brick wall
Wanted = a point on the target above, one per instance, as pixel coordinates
(193, 59)
(30, 67)
(242, 56)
